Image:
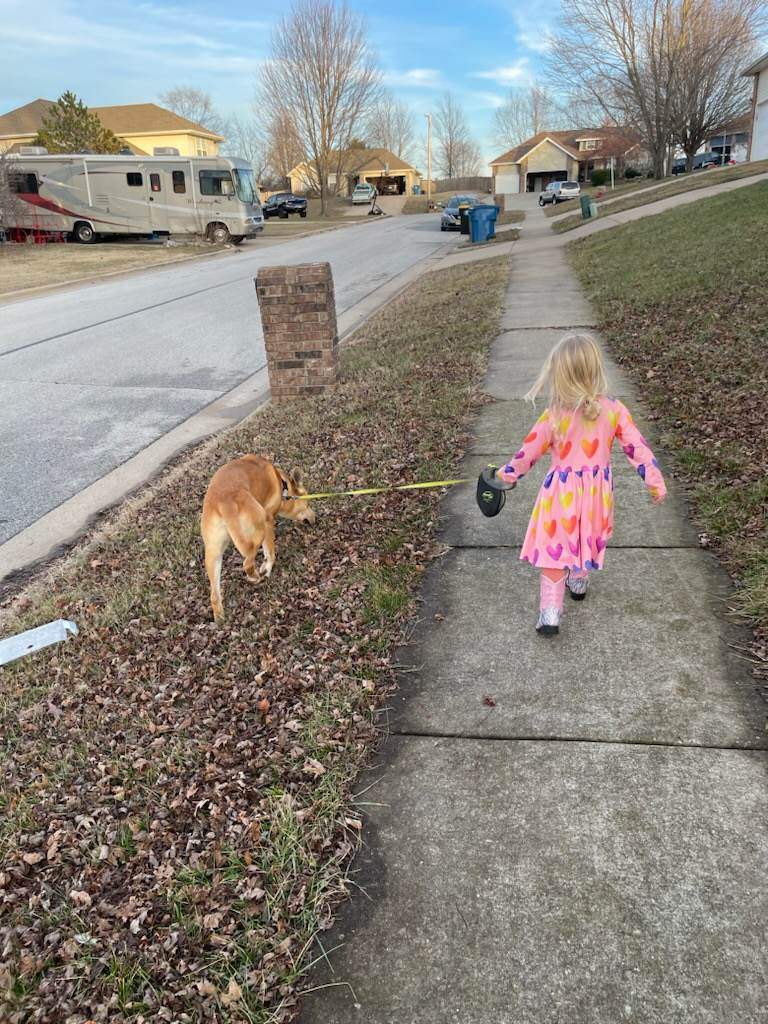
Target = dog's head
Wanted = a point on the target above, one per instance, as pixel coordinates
(292, 507)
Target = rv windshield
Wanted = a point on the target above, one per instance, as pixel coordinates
(244, 184)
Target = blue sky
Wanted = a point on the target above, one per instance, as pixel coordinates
(110, 52)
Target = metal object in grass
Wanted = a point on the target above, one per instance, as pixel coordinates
(31, 640)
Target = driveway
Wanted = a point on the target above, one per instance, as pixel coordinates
(91, 375)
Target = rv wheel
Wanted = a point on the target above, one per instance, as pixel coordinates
(218, 233)
(83, 232)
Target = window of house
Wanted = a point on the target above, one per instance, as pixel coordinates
(215, 183)
(20, 181)
(179, 184)
(154, 182)
(590, 144)
(134, 178)
(201, 147)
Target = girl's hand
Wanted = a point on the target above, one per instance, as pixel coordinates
(507, 483)
(657, 496)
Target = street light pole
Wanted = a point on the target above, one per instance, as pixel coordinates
(429, 158)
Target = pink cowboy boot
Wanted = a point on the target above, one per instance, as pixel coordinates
(577, 582)
(550, 606)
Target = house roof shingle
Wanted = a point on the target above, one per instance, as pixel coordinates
(129, 119)
(620, 138)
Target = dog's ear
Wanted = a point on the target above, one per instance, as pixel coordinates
(297, 477)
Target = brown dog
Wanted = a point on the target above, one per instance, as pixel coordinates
(240, 505)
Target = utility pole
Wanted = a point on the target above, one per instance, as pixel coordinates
(429, 159)
(613, 180)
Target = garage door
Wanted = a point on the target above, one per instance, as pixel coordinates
(507, 183)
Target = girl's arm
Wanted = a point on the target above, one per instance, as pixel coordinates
(636, 449)
(536, 444)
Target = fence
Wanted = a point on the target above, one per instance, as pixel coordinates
(476, 184)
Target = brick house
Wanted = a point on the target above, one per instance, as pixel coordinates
(564, 156)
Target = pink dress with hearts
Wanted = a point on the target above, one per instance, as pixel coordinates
(573, 515)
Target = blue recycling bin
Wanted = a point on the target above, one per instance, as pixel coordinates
(482, 222)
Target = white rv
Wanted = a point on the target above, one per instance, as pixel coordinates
(91, 196)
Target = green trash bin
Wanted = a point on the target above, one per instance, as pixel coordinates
(586, 207)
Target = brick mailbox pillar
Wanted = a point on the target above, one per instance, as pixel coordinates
(298, 314)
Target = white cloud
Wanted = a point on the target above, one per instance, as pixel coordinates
(209, 22)
(539, 42)
(513, 74)
(420, 78)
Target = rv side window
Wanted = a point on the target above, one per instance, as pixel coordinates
(216, 183)
(154, 182)
(21, 181)
(179, 185)
(133, 178)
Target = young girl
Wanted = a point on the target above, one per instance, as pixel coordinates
(573, 515)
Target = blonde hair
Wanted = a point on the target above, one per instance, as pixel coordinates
(574, 376)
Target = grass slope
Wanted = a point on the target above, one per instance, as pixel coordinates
(175, 810)
(684, 307)
(676, 186)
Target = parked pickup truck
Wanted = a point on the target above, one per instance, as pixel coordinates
(283, 204)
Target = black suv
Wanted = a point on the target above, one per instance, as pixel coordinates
(282, 204)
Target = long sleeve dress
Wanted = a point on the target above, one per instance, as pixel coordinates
(573, 515)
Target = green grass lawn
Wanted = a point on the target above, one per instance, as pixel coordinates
(673, 187)
(683, 304)
(177, 812)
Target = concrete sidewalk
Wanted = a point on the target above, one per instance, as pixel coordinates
(568, 831)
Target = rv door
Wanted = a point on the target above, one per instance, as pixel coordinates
(157, 196)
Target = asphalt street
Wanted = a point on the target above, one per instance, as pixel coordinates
(92, 374)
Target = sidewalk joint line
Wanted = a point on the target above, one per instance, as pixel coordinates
(587, 740)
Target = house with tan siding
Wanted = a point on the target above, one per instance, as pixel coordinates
(143, 127)
(563, 156)
(358, 165)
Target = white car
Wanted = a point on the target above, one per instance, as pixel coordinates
(558, 191)
(364, 193)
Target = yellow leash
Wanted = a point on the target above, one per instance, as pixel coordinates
(378, 490)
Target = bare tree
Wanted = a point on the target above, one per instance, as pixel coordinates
(456, 149)
(525, 113)
(620, 55)
(468, 159)
(195, 105)
(708, 88)
(389, 124)
(246, 138)
(284, 149)
(322, 75)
